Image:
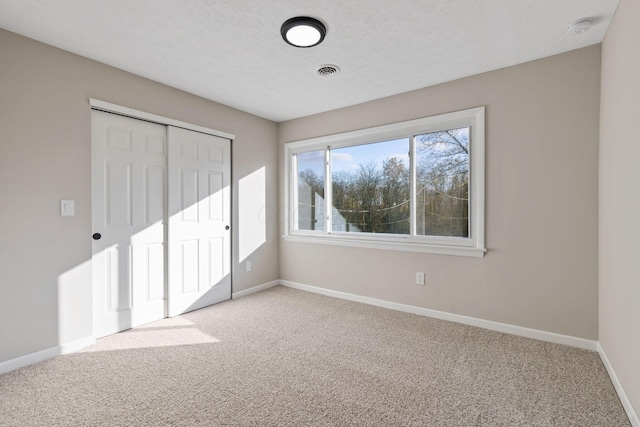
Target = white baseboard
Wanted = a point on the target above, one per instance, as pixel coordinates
(472, 321)
(255, 289)
(624, 399)
(29, 359)
(77, 345)
(42, 355)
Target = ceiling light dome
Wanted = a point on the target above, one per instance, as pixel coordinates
(303, 31)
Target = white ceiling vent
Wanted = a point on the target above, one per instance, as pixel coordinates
(328, 70)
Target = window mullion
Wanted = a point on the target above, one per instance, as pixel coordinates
(412, 193)
(294, 193)
(328, 194)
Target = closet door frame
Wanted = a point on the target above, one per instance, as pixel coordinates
(141, 115)
(137, 114)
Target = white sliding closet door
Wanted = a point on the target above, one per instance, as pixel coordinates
(128, 211)
(199, 220)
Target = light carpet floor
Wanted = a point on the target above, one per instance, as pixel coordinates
(284, 357)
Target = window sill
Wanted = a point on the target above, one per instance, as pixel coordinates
(465, 251)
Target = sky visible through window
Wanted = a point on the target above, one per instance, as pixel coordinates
(371, 186)
(350, 158)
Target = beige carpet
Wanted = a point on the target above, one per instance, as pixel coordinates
(289, 358)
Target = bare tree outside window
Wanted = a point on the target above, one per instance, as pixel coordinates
(442, 178)
(373, 197)
(311, 206)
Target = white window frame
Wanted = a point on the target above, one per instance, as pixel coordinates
(473, 246)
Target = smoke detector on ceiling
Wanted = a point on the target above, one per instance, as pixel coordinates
(328, 70)
(579, 27)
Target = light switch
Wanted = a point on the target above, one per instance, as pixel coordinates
(67, 208)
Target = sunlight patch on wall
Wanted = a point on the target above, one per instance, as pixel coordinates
(75, 314)
(251, 213)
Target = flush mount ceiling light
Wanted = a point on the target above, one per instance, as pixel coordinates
(579, 27)
(303, 31)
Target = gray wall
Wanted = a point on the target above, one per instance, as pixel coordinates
(541, 269)
(620, 198)
(45, 288)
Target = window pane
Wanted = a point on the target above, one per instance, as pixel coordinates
(370, 187)
(311, 191)
(442, 174)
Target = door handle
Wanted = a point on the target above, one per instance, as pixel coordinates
(226, 227)
(96, 236)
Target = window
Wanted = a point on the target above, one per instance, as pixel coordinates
(371, 187)
(310, 191)
(411, 186)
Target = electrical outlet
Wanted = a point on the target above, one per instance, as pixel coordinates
(248, 266)
(419, 278)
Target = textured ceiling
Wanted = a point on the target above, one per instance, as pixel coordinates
(230, 51)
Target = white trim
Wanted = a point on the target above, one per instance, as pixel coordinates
(391, 246)
(624, 399)
(472, 246)
(380, 133)
(46, 354)
(255, 289)
(29, 359)
(328, 191)
(477, 175)
(130, 112)
(77, 345)
(472, 321)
